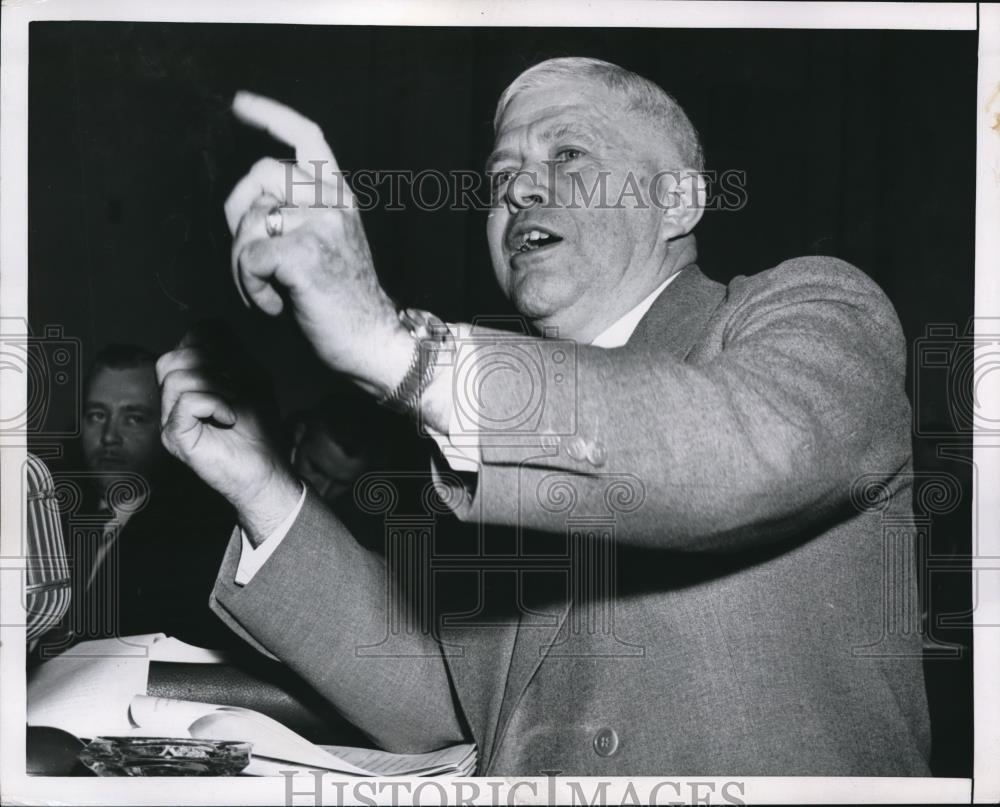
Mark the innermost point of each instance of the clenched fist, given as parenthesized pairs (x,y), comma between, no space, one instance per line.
(214,414)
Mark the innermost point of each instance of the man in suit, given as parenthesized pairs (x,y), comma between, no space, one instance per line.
(140,527)
(340,438)
(717,463)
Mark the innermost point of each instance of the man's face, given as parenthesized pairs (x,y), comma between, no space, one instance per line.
(121,422)
(555,147)
(324,464)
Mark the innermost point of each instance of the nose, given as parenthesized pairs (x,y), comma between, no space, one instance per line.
(110,435)
(528,187)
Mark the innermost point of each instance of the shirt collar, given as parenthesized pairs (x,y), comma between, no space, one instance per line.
(121,515)
(620,331)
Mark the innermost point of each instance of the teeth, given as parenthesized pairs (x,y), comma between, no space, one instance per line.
(531,238)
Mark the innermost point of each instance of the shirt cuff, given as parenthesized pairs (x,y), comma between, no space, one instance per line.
(252,559)
(459,447)
(464,457)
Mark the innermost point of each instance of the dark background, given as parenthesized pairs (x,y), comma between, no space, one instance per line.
(856,144)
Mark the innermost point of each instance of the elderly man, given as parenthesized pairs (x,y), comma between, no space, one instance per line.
(707,438)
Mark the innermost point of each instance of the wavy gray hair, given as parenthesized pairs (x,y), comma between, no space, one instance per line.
(643,97)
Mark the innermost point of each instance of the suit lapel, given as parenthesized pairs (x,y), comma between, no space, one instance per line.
(673,323)
(678,316)
(478,643)
(535,634)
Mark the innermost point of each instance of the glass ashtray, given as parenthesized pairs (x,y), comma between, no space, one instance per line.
(165,756)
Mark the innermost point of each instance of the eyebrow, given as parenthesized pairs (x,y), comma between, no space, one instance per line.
(548,136)
(140,408)
(499,156)
(563,129)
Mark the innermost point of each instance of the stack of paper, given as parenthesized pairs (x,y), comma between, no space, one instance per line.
(98,689)
(456,760)
(87,690)
(277,748)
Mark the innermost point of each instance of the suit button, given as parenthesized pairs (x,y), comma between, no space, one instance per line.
(606,743)
(598,454)
(577,448)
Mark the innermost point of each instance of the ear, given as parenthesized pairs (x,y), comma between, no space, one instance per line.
(681,195)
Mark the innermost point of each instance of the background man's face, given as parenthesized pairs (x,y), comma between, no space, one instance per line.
(324,463)
(569,140)
(121,422)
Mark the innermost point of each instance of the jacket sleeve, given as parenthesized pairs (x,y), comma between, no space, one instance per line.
(320,605)
(799,392)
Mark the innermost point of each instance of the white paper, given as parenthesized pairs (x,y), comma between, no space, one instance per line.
(179,718)
(87,689)
(166,717)
(277,748)
(98,689)
(171,649)
(456,760)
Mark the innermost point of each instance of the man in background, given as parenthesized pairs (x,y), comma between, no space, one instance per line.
(120,433)
(336,441)
(343,442)
(140,527)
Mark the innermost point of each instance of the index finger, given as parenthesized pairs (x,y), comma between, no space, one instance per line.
(285,124)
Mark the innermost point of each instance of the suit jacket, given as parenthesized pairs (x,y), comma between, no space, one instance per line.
(159,570)
(711,572)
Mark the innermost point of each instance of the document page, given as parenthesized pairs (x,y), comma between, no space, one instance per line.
(87,690)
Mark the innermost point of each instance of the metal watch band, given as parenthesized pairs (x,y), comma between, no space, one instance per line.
(428,333)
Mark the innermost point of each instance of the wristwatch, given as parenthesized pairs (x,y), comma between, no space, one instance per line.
(429,335)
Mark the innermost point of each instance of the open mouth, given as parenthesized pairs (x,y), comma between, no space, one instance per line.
(534,240)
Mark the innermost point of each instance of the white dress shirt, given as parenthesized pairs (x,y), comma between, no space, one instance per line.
(117,519)
(461,450)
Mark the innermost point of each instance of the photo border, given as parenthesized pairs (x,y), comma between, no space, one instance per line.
(16,16)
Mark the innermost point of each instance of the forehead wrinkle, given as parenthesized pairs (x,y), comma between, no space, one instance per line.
(559,130)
